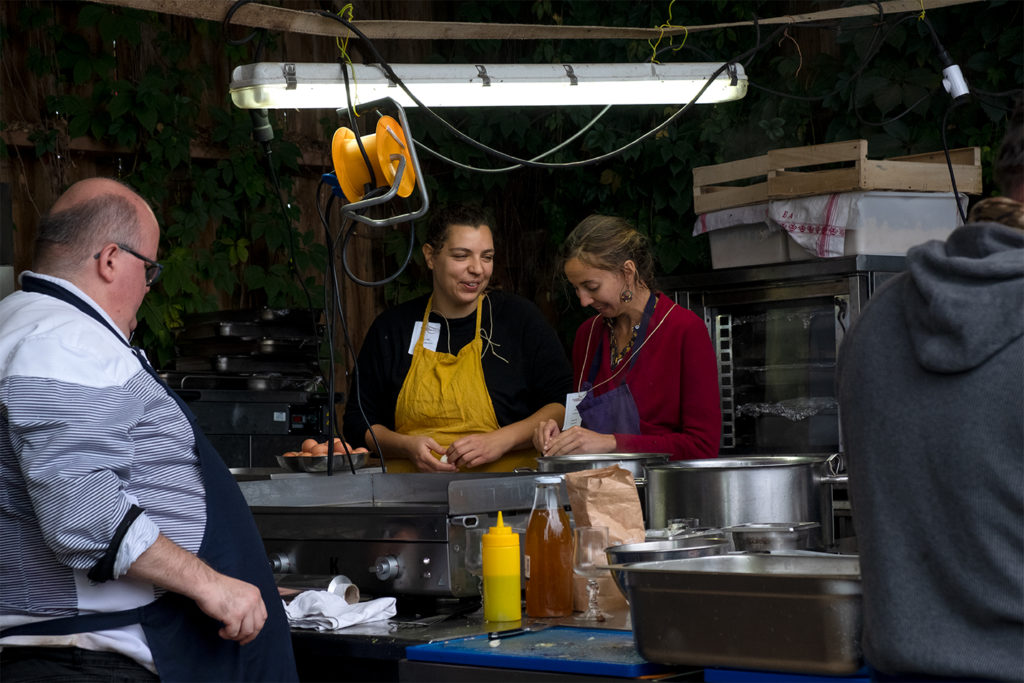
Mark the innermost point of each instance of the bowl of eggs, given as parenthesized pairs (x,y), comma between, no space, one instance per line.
(313,457)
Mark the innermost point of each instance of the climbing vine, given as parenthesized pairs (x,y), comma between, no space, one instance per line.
(226,241)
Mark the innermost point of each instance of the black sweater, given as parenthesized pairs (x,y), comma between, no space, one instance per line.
(537,371)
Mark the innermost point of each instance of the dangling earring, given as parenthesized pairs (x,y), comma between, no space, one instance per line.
(626,296)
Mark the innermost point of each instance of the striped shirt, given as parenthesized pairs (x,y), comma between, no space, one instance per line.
(85,433)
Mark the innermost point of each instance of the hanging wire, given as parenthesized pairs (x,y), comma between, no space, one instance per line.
(526,162)
(540,156)
(331,288)
(949,163)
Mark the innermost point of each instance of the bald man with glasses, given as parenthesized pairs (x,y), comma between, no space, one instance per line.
(126,547)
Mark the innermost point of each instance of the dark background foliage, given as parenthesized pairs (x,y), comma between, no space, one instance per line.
(233,240)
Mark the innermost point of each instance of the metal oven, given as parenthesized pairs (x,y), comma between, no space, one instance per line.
(776,330)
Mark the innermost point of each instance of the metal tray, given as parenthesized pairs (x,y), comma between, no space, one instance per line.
(795,613)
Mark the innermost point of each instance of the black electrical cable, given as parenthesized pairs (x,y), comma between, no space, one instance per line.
(525,162)
(899,116)
(336,299)
(757,39)
(375,283)
(238,4)
(355,131)
(549,152)
(332,304)
(284,214)
(949,163)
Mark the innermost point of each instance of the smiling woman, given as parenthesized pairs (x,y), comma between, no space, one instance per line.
(645,372)
(459,378)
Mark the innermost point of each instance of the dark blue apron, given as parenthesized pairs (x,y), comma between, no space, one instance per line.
(615,411)
(184,640)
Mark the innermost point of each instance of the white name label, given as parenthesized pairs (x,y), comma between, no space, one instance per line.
(572,413)
(429,339)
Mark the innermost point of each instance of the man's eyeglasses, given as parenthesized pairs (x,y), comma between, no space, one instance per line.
(153,269)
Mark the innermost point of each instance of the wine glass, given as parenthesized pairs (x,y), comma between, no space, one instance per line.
(590,562)
(475,556)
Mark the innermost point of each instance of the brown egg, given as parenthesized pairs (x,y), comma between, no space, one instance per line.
(360,450)
(308,445)
(291,454)
(320,449)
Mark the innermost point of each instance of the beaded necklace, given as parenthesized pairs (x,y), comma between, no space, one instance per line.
(616,354)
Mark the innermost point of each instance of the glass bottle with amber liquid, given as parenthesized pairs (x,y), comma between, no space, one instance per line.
(548,554)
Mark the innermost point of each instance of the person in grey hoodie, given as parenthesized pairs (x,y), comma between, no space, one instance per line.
(930,381)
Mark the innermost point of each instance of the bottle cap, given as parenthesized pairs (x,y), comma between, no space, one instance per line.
(500,535)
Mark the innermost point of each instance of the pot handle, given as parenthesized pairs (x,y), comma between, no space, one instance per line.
(836,472)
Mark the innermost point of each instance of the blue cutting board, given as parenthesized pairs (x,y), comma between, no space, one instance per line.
(560,648)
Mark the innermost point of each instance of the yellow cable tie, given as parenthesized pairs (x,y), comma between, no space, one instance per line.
(343,48)
(343,43)
(920,17)
(667,24)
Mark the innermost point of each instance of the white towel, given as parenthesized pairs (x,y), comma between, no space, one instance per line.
(326,611)
(818,224)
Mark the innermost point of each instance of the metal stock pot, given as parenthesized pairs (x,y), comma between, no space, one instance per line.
(725,492)
(634,462)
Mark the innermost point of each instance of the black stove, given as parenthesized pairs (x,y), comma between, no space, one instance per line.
(253,380)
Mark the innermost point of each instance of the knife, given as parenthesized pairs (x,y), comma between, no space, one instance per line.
(509,633)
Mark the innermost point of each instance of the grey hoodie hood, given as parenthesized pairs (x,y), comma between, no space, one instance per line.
(973,281)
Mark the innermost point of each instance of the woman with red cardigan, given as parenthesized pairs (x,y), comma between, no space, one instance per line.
(645,374)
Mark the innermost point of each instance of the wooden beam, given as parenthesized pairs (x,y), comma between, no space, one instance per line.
(281,19)
(18,136)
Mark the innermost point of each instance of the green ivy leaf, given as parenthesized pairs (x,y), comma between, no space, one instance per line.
(82,71)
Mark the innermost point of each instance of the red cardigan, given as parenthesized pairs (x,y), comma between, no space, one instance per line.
(674,382)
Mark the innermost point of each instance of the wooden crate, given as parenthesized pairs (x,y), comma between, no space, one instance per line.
(782,178)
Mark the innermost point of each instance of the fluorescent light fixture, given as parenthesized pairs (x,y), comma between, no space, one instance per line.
(322,86)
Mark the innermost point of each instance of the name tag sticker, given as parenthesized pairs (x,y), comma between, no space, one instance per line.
(429,339)
(572,414)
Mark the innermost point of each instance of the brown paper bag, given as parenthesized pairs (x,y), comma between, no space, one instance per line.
(605,497)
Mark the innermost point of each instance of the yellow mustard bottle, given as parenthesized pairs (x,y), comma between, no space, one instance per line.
(502,597)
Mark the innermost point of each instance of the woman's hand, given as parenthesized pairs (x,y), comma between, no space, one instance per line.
(475,450)
(579,440)
(421,449)
(542,435)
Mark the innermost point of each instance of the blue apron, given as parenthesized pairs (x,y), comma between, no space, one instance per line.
(184,640)
(615,411)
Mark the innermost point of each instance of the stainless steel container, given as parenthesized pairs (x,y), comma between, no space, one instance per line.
(723,492)
(634,462)
(792,613)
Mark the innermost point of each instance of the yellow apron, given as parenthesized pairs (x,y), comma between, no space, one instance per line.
(445,396)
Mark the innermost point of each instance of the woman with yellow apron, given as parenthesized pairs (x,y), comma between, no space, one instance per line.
(459,380)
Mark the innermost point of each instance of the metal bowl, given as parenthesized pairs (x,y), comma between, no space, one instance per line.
(674,549)
(772,536)
(318,463)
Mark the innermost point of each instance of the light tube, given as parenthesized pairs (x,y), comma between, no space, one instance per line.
(321,86)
